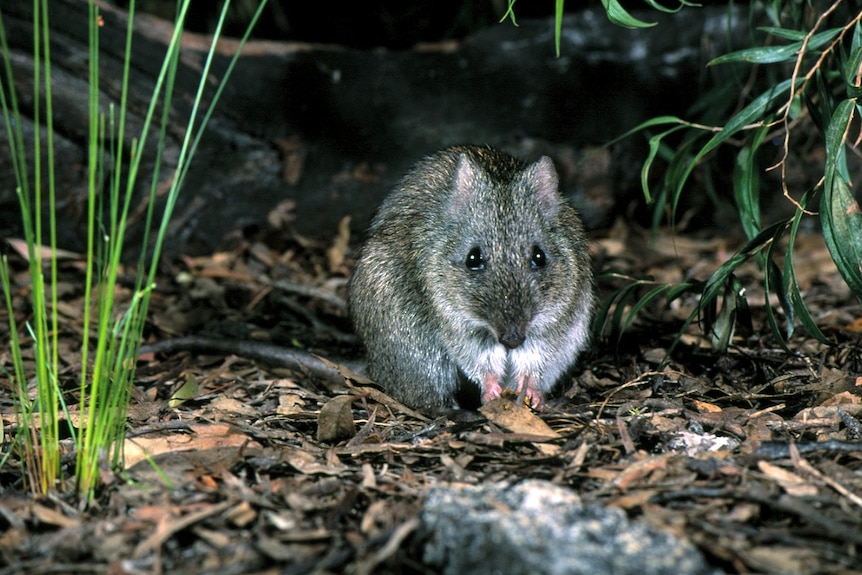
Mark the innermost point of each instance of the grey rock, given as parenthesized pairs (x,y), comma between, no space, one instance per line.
(538,527)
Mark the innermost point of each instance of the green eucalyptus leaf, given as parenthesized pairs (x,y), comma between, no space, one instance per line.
(624,295)
(785,33)
(791,297)
(655,143)
(843,234)
(619,16)
(856,40)
(791,289)
(840,215)
(772,282)
(746,183)
(657,121)
(795,107)
(836,161)
(851,73)
(752,113)
(661,8)
(773,54)
(642,302)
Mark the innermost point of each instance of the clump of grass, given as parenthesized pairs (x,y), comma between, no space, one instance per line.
(111,329)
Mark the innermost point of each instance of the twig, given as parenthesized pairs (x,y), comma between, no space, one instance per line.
(269,354)
(802,464)
(785,110)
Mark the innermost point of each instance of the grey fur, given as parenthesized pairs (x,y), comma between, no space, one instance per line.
(427,320)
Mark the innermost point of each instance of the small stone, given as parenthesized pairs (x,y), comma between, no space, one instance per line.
(538,527)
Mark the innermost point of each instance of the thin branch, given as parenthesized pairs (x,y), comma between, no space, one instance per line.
(786,109)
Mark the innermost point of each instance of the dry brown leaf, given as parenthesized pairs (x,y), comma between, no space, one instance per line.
(639,470)
(608,473)
(843,399)
(242,515)
(290,404)
(703,406)
(20,246)
(519,419)
(854,326)
(204,437)
(336,419)
(634,500)
(336,253)
(779,559)
(53,517)
(791,483)
(364,386)
(232,406)
(346,372)
(828,411)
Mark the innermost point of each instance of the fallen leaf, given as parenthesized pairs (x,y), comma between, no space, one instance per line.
(854,326)
(230,405)
(290,404)
(20,246)
(186,391)
(703,406)
(338,250)
(201,439)
(791,483)
(639,470)
(336,419)
(517,418)
(54,517)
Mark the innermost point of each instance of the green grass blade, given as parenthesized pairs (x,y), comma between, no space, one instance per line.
(714,285)
(52,387)
(221,85)
(510,13)
(603,320)
(722,282)
(14,132)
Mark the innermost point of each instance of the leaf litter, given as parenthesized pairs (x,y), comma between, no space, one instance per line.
(239,464)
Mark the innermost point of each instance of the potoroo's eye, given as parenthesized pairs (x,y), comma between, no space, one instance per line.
(538,259)
(475,260)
